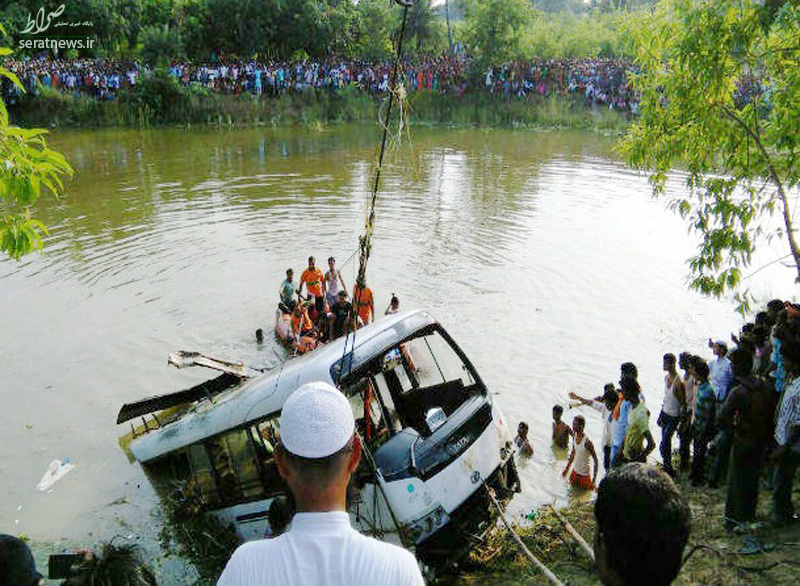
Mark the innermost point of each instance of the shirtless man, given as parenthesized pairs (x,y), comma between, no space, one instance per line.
(561,431)
(521,441)
(582,449)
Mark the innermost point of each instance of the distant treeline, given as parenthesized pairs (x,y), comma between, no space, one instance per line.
(203,30)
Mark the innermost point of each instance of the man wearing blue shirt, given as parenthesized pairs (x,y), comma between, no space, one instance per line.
(721,373)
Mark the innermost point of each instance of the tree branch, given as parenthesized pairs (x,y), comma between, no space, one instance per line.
(775,178)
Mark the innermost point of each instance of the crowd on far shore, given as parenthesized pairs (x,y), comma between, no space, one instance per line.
(601,82)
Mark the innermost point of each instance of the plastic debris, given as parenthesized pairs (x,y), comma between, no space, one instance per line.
(55,472)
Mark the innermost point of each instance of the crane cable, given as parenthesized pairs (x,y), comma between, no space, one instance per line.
(365,241)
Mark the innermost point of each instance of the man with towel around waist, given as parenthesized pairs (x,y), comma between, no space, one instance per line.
(319,451)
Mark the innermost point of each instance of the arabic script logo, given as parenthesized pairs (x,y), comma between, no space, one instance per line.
(39,25)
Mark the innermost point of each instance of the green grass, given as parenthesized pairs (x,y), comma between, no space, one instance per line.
(164,103)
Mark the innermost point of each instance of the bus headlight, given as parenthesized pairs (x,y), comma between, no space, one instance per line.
(428,525)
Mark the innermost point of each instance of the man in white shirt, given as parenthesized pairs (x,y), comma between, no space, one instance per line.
(319,452)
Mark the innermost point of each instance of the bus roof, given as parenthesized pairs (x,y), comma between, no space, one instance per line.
(265,395)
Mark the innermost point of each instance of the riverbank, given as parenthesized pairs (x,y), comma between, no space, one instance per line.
(715,556)
(166,104)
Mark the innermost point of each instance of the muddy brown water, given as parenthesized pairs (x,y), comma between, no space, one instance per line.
(545,258)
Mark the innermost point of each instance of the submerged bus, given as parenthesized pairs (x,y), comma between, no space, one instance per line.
(435,441)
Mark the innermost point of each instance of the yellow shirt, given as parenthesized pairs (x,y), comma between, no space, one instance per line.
(638,425)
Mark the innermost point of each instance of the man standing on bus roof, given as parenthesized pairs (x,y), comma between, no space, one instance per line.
(363,303)
(320,451)
(314,281)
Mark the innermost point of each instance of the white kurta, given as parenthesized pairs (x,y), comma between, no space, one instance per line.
(321,549)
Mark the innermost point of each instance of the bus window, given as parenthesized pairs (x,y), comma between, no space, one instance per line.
(235,465)
(202,483)
(422,374)
(368,412)
(436,362)
(265,436)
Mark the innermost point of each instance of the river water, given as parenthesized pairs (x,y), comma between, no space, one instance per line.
(541,253)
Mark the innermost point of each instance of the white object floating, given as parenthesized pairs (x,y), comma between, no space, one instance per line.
(55,472)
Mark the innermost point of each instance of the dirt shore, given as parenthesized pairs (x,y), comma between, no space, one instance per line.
(761,555)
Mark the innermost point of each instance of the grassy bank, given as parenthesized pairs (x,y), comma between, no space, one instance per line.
(167,104)
(716,557)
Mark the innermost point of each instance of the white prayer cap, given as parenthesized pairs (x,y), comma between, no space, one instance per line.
(316,421)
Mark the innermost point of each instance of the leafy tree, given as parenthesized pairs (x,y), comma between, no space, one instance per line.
(423,26)
(159,44)
(494,28)
(29,169)
(373,39)
(719,97)
(340,26)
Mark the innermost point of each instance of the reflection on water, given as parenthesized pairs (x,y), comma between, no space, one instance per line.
(544,257)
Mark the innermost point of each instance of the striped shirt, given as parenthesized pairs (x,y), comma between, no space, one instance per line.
(704,410)
(789,414)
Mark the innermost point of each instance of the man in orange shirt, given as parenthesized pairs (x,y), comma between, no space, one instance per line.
(362,301)
(314,281)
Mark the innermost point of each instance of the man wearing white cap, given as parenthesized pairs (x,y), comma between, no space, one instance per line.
(319,451)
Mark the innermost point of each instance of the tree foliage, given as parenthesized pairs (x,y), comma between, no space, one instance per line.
(29,168)
(596,33)
(423,27)
(494,29)
(719,97)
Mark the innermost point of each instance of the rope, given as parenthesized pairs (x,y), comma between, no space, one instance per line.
(365,241)
(542,568)
(571,530)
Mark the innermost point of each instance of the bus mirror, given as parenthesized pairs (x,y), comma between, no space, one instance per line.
(435,418)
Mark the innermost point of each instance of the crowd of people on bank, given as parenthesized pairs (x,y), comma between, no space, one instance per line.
(598,81)
(736,418)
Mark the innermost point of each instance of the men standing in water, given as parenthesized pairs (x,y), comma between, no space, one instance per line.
(394,305)
(582,448)
(362,300)
(521,441)
(671,409)
(320,451)
(314,281)
(561,430)
(605,406)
